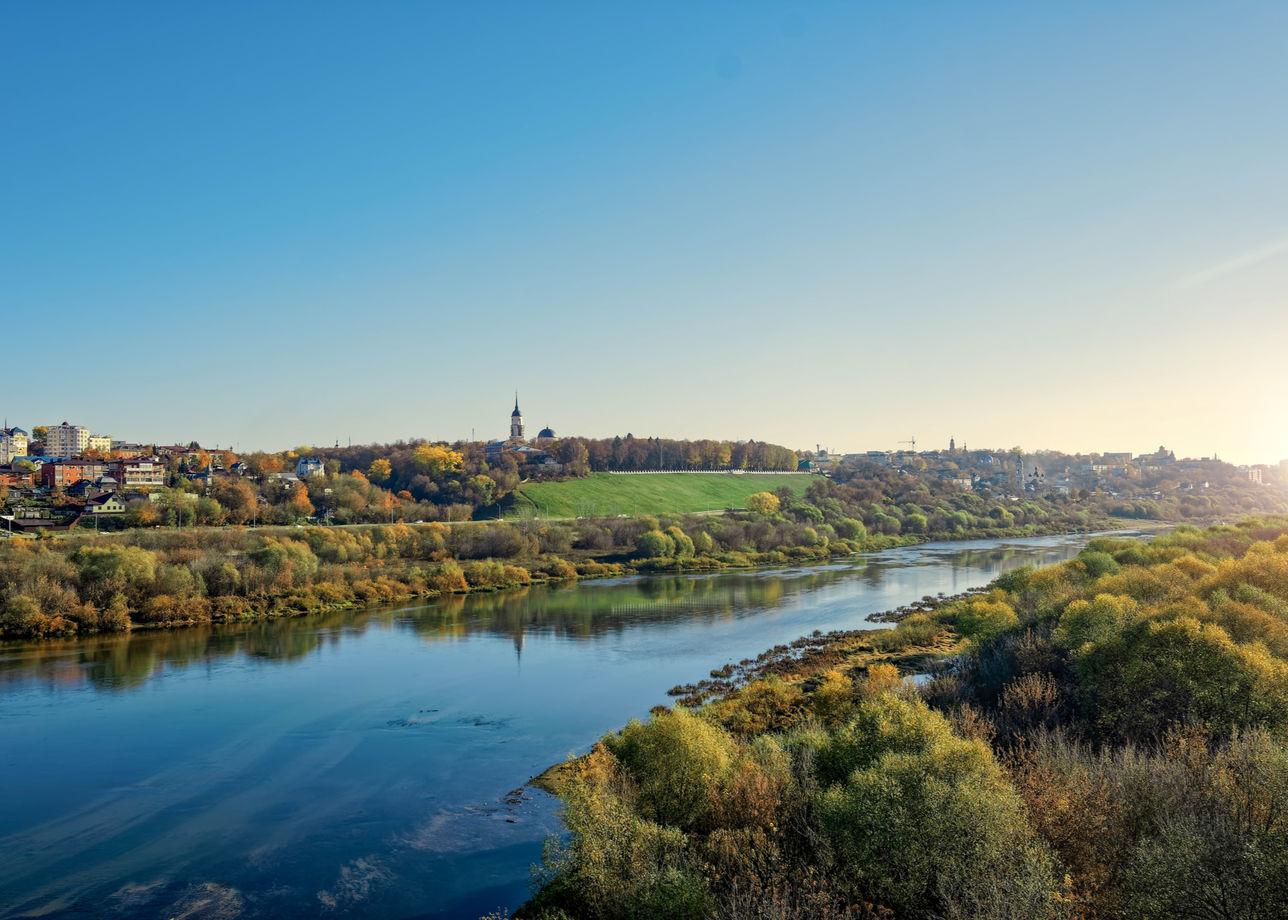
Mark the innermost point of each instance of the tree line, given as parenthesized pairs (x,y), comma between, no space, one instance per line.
(152,576)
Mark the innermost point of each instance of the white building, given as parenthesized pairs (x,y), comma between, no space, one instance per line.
(309,466)
(67,440)
(13,443)
(100,442)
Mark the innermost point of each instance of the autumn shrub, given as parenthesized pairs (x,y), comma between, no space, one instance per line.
(446,577)
(981,617)
(21,616)
(675,761)
(490,574)
(897,778)
(768,705)
(832,701)
(1160,674)
(164,608)
(917,631)
(613,861)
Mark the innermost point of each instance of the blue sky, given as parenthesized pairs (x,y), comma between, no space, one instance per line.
(1052,225)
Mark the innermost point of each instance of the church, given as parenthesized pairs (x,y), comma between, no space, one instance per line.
(518,445)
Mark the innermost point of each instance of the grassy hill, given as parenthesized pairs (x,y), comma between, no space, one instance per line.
(657,493)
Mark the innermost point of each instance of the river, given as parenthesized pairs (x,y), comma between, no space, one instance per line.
(361,763)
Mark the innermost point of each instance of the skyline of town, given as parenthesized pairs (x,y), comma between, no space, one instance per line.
(76,438)
(902,446)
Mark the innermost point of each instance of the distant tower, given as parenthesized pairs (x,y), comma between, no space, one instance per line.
(952,446)
(516,421)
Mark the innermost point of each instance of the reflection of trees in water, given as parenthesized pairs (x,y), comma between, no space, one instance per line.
(119,662)
(585,612)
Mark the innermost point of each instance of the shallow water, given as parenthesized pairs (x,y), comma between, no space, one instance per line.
(360,764)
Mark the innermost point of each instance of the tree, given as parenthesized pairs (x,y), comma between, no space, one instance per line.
(298,501)
(763,503)
(379,470)
(574,456)
(653,544)
(237,498)
(436,462)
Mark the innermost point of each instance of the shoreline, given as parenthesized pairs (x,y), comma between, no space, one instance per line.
(645,568)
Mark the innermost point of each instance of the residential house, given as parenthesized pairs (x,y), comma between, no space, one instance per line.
(205,479)
(105,503)
(309,466)
(15,478)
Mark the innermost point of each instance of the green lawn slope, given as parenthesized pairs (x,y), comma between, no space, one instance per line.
(654,493)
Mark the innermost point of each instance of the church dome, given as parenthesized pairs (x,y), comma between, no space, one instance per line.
(546,433)
(516,413)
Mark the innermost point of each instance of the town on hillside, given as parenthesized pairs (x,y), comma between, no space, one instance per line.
(56,477)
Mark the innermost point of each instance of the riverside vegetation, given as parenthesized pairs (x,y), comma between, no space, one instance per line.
(1104,738)
(165,577)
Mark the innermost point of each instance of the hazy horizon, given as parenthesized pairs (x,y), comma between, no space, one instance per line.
(842,224)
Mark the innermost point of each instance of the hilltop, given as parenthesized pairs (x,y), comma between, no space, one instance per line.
(601,494)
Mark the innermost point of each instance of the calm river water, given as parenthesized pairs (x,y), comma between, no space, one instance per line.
(360,764)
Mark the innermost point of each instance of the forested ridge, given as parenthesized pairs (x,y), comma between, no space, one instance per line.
(1105,738)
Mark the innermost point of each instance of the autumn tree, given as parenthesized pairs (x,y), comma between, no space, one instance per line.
(298,501)
(436,462)
(379,470)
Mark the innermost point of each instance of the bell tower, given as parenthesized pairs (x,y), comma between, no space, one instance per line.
(516,421)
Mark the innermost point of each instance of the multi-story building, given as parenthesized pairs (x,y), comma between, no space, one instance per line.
(67,440)
(140,473)
(59,474)
(101,443)
(13,443)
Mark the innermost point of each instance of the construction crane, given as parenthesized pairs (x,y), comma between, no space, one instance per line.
(911,442)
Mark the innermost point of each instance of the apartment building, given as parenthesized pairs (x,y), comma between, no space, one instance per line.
(59,474)
(67,440)
(13,443)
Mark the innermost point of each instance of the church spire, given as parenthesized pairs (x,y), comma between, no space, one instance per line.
(516,420)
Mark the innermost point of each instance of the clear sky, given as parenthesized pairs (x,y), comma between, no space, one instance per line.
(271,224)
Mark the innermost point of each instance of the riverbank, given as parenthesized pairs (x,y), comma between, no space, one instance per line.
(1078,718)
(172,579)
